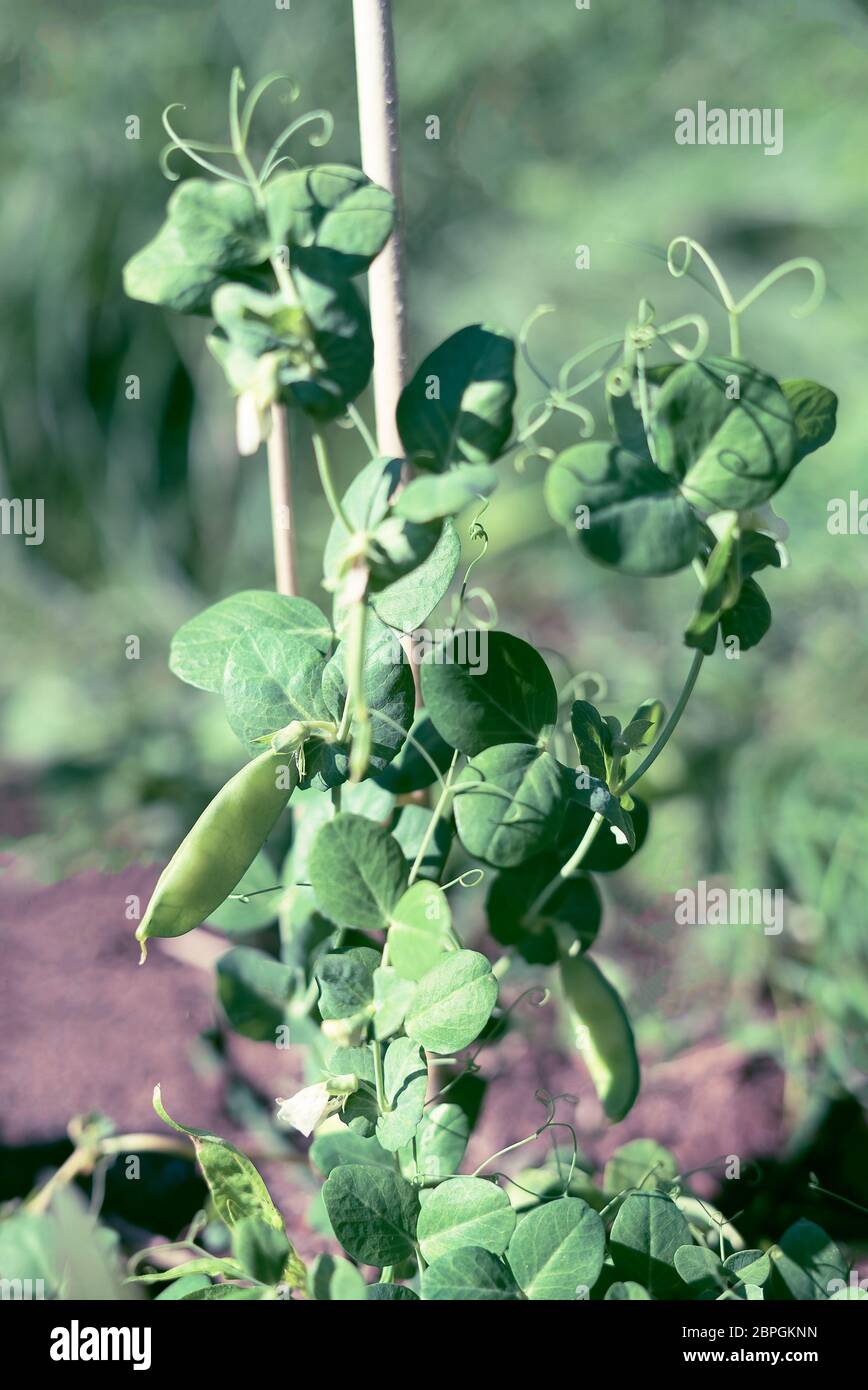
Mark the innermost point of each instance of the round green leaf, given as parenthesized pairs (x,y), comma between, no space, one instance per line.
(373,1213)
(641,1163)
(346,981)
(574,910)
(201,647)
(627,1291)
(333,1280)
(469,1275)
(269,680)
(814,410)
(514,804)
(453,1003)
(701,1270)
(468,416)
(410,770)
(254,990)
(463,1212)
(724,430)
(645,1235)
(441,1140)
(358,872)
(635,518)
(405,1078)
(508,697)
(557,1249)
(435,495)
(419,933)
(391,1293)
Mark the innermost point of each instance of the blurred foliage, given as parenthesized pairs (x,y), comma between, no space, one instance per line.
(556,130)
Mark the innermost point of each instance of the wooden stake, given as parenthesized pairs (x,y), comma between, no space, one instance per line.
(280,489)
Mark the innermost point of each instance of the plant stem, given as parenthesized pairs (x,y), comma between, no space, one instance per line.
(377,1049)
(671,723)
(328,485)
(280,490)
(567,870)
(378,128)
(433,822)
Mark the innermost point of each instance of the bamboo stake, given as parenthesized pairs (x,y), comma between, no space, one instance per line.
(280,490)
(378,127)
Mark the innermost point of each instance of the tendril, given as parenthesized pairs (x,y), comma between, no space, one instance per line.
(464,879)
(539,312)
(258,90)
(531,451)
(317,141)
(192,149)
(679,266)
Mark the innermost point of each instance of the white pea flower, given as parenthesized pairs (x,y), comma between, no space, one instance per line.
(248,424)
(308,1108)
(763,518)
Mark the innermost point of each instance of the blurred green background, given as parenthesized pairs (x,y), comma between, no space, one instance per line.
(556,129)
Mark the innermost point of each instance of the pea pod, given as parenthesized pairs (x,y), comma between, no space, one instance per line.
(603,1034)
(219,849)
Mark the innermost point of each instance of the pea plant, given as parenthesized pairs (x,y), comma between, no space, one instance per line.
(484,790)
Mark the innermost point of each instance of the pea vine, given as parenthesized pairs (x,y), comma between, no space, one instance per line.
(391,790)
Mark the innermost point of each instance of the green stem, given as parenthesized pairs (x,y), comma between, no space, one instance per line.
(382,1105)
(567,870)
(433,822)
(671,724)
(328,487)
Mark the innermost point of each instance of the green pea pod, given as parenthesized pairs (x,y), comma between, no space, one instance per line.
(219,849)
(603,1034)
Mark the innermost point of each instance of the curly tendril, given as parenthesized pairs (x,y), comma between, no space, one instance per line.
(679,255)
(273,158)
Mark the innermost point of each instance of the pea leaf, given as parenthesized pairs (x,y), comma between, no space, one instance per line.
(748,1266)
(419,933)
(453,1003)
(333,207)
(236,1187)
(373,1212)
(814,410)
(201,647)
(701,1270)
(333,1280)
(341,337)
(640,1163)
(391,1293)
(634,518)
(405,1078)
(573,912)
(627,1291)
(513,806)
(805,1262)
(406,602)
(593,738)
(458,405)
(435,495)
(358,872)
(261,1249)
(469,1275)
(254,990)
(180,1288)
(441,1140)
(645,1234)
(556,1249)
(387,684)
(410,770)
(392,998)
(608,853)
(218,224)
(331,1148)
(724,431)
(465,1212)
(270,680)
(508,697)
(346,981)
(750,617)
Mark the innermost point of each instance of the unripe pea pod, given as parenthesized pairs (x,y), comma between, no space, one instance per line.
(220,848)
(603,1034)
